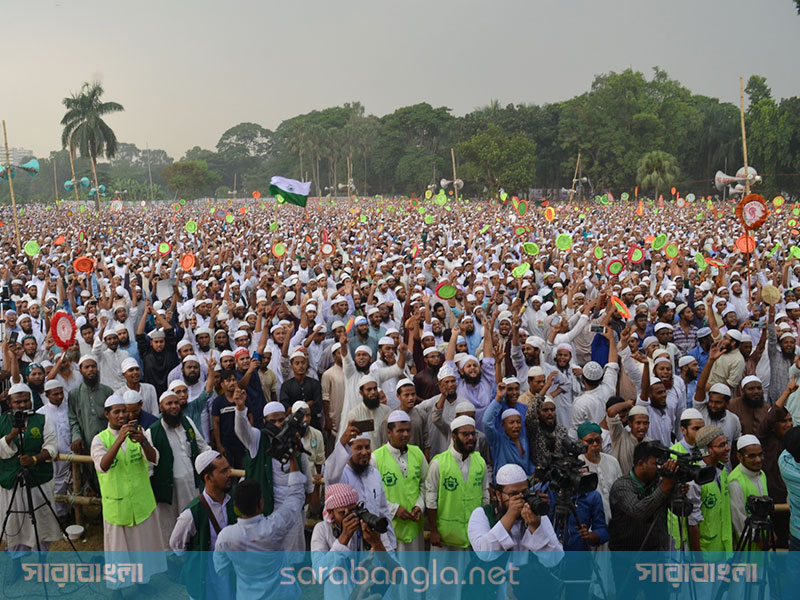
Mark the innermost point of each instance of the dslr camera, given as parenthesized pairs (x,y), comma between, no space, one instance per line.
(760,507)
(19,419)
(374,522)
(688,470)
(287,442)
(566,472)
(538,506)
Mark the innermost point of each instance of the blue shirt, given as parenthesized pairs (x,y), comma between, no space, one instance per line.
(700,355)
(790,471)
(589,508)
(504,450)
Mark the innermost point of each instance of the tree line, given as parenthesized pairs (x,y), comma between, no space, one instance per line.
(629,129)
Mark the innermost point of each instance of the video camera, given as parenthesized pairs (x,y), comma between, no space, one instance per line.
(376,523)
(19,419)
(566,472)
(287,442)
(760,507)
(687,469)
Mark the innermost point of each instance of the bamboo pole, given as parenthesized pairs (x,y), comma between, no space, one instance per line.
(86,459)
(574,176)
(55,182)
(453,158)
(11,189)
(744,140)
(77,486)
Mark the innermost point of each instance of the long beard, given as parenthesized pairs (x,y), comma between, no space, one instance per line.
(372,403)
(359,469)
(472,380)
(172,421)
(191,379)
(753,402)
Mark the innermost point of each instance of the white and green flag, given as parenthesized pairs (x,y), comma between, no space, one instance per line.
(290,190)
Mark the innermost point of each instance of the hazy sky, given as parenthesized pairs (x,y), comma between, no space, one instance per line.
(185,71)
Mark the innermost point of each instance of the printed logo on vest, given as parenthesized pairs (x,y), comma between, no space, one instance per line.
(35,432)
(389,479)
(710,501)
(450,483)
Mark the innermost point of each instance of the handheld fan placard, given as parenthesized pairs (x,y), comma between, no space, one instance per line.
(326,249)
(191,226)
(63,329)
(164,248)
(614,267)
(659,241)
(445,290)
(564,241)
(746,244)
(598,252)
(531,248)
(187,261)
(83,264)
(620,307)
(520,270)
(549,214)
(701,261)
(635,255)
(752,211)
(278,250)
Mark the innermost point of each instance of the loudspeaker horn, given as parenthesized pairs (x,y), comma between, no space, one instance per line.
(69,185)
(31,167)
(445,182)
(721,180)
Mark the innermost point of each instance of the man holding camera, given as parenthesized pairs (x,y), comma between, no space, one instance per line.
(28,442)
(261,465)
(746,480)
(351,462)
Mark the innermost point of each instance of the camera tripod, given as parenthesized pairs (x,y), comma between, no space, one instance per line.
(756,530)
(26,481)
(565,507)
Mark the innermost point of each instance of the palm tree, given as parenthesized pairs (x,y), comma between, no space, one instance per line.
(658,169)
(85,129)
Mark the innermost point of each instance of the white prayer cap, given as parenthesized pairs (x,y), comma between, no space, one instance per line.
(461,422)
(109,331)
(226,353)
(166,394)
(365,379)
(86,357)
(174,385)
(241,333)
(52,384)
(465,406)
(399,416)
(274,407)
(720,388)
(535,341)
(444,373)
(686,360)
(638,410)
(335,347)
(204,459)
(129,363)
(183,343)
(336,325)
(131,397)
(735,334)
(548,400)
(402,382)
(430,350)
(386,341)
(592,371)
(427,334)
(510,380)
(297,354)
(363,436)
(510,412)
(114,400)
(510,474)
(466,360)
(19,388)
(191,358)
(300,404)
(535,371)
(660,326)
(747,440)
(119,328)
(788,334)
(364,348)
(750,379)
(691,413)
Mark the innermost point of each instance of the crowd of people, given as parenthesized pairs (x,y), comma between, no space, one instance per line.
(455,372)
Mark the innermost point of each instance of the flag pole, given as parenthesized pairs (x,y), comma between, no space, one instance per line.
(574,177)
(11,188)
(453,158)
(744,138)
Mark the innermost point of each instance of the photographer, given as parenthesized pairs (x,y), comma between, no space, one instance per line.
(264,468)
(510,524)
(639,502)
(746,480)
(39,445)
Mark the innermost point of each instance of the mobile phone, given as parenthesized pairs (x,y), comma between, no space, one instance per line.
(364,426)
(134,425)
(597,328)
(12,339)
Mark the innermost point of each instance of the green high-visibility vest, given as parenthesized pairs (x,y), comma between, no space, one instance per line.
(458,498)
(716,530)
(401,489)
(748,489)
(33,439)
(677,529)
(125,488)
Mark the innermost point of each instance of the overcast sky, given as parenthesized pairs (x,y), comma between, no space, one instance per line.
(185,71)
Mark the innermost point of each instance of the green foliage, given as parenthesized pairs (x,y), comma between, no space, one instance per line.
(657,169)
(191,178)
(495,160)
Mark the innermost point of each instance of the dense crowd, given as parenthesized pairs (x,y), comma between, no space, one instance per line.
(447,357)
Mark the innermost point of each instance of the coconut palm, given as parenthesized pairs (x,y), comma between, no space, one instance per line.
(85,129)
(657,169)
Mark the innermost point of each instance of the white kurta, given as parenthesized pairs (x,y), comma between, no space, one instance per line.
(131,544)
(183,487)
(62,470)
(149,397)
(19,530)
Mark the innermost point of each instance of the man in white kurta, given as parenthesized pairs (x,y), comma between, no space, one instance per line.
(184,489)
(56,412)
(19,533)
(352,462)
(128,543)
